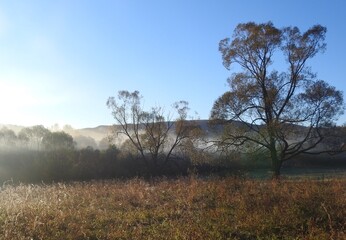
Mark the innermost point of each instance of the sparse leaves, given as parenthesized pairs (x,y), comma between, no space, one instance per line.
(269,102)
(152,133)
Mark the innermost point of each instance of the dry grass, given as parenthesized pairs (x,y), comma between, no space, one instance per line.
(185,208)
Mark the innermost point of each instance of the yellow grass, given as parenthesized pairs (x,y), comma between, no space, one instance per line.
(184,208)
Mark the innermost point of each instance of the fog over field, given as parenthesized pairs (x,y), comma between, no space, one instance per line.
(172,119)
(101,136)
(96,137)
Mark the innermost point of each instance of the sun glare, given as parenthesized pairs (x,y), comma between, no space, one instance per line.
(13,101)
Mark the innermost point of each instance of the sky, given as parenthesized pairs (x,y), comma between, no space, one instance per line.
(61,60)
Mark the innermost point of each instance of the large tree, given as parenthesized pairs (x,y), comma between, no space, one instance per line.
(283,110)
(152,134)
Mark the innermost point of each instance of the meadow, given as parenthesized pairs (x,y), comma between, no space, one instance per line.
(180,208)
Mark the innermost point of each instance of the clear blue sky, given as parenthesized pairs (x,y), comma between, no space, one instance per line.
(61,60)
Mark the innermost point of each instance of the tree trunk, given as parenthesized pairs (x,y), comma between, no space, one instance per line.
(276,161)
(276,167)
(155,166)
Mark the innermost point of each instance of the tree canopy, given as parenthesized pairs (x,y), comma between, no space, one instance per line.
(283,112)
(152,134)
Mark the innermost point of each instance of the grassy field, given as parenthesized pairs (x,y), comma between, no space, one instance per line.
(296,173)
(183,208)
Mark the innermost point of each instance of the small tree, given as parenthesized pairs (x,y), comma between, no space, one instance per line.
(23,138)
(8,138)
(37,133)
(154,136)
(285,113)
(54,141)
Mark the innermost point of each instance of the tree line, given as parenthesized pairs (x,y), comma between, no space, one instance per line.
(35,138)
(278,114)
(274,114)
(37,154)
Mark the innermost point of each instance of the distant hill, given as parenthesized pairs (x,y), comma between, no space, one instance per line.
(97,133)
(97,137)
(92,136)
